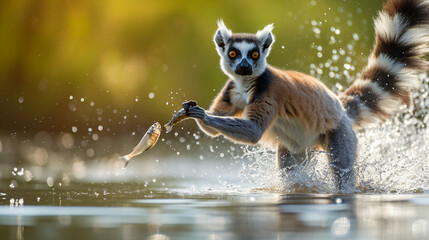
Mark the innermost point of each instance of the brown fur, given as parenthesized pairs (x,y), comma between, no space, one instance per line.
(292,96)
(307,99)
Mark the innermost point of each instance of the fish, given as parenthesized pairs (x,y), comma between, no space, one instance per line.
(179,115)
(147,142)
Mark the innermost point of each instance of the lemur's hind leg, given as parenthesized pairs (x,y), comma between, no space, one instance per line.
(286,159)
(342,147)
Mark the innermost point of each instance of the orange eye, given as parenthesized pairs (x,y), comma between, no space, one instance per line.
(255,55)
(232,54)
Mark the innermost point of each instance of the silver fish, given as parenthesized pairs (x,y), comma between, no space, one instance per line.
(180,115)
(146,143)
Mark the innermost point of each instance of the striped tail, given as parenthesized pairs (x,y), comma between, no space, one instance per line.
(400,52)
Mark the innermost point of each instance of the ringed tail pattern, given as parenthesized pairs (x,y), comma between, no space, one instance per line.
(400,52)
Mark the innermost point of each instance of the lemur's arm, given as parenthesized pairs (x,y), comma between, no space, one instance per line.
(249,129)
(221,106)
(218,108)
(206,129)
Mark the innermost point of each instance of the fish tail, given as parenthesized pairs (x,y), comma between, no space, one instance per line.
(126,159)
(168,128)
(126,163)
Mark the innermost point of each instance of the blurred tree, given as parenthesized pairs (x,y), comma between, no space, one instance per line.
(123,64)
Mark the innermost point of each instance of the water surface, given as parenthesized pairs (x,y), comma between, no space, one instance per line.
(195,200)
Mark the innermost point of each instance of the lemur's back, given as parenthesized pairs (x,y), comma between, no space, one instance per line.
(304,98)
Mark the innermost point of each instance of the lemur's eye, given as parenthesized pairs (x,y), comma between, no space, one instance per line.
(232,54)
(255,55)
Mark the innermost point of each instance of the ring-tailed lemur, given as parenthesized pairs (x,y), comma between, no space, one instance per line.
(294,111)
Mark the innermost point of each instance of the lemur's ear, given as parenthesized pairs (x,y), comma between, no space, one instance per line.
(222,35)
(265,37)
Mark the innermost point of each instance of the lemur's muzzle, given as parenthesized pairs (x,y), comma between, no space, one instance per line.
(243,68)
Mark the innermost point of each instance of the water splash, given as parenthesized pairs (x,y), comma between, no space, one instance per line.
(393,157)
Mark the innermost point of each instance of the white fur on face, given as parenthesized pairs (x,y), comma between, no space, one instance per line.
(263,35)
(244,48)
(223,35)
(228,66)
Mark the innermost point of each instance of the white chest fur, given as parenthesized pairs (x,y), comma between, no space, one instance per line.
(240,96)
(291,134)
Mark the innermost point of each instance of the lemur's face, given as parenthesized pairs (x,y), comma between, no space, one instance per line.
(243,55)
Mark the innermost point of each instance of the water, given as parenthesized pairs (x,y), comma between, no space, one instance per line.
(133,212)
(184,198)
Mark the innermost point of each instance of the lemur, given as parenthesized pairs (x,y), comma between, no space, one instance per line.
(293,111)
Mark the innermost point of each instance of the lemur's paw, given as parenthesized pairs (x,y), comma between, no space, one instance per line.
(196,112)
(187,104)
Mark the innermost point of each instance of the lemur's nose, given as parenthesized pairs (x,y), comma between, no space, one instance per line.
(243,68)
(244,64)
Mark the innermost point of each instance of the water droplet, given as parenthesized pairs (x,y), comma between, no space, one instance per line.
(67,140)
(21,100)
(13,184)
(74,129)
(316,30)
(90,152)
(95,137)
(347,66)
(28,175)
(151,95)
(50,181)
(79,169)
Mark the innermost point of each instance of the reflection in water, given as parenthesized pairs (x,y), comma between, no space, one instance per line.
(341,226)
(19,229)
(244,216)
(158,237)
(419,228)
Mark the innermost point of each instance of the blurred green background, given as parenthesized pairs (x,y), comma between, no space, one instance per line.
(116,66)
